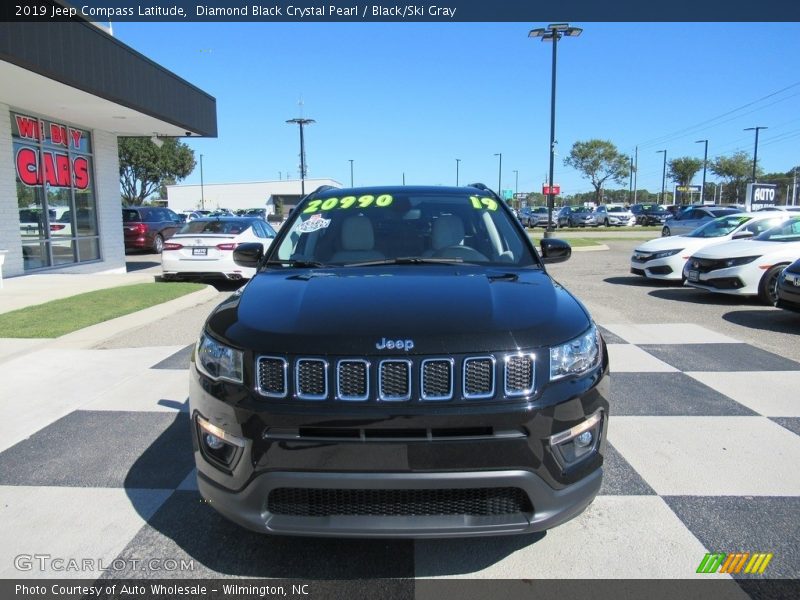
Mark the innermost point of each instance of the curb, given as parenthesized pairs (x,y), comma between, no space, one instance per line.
(89,337)
(596,248)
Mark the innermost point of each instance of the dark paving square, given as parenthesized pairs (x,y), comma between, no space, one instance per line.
(745,524)
(609,337)
(669,394)
(185,527)
(790,423)
(103,449)
(620,478)
(719,357)
(179,360)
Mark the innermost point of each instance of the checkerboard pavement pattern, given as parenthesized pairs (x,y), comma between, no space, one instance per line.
(703,455)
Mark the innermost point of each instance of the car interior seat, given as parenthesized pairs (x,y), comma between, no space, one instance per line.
(357,241)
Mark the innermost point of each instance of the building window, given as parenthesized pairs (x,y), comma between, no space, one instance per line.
(55,192)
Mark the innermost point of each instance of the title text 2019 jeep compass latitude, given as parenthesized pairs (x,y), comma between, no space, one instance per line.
(401,365)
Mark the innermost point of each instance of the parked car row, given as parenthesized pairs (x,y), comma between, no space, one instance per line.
(746,254)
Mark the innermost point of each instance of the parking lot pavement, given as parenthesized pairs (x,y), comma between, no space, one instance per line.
(95,461)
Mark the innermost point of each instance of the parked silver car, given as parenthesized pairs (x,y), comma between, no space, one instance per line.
(612,214)
(691,217)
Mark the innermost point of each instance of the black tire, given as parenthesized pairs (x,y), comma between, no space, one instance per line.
(158,244)
(665,232)
(768,287)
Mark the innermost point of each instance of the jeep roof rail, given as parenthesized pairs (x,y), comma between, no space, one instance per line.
(485,188)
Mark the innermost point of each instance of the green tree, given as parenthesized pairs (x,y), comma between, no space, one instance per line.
(735,170)
(682,170)
(598,161)
(144,167)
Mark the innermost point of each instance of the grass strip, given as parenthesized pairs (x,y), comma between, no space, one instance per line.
(58,317)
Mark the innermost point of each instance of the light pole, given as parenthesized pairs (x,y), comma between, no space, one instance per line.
(302,122)
(553,33)
(458,160)
(202,193)
(499,172)
(705,163)
(351,172)
(516,182)
(663,176)
(755,149)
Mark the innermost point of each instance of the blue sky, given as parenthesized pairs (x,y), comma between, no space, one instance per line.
(411,98)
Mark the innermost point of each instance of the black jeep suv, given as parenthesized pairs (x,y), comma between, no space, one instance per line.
(401,365)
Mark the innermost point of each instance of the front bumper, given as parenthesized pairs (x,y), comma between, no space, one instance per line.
(740,280)
(789,293)
(552,507)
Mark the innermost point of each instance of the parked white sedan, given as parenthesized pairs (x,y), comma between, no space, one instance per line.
(203,248)
(746,267)
(664,258)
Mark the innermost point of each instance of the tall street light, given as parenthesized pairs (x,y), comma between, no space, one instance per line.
(663,176)
(499,173)
(302,122)
(458,160)
(553,33)
(351,172)
(755,150)
(705,163)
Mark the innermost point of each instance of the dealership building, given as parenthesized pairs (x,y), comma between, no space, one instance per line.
(254,194)
(68,90)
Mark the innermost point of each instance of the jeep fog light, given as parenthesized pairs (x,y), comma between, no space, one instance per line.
(216,444)
(576,443)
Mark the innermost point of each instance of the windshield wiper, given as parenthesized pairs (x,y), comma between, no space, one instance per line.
(407,260)
(297,263)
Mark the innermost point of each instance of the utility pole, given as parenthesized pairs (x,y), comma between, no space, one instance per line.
(635,171)
(755,149)
(202,192)
(301,122)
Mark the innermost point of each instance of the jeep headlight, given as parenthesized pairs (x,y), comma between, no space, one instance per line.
(218,361)
(576,356)
(666,253)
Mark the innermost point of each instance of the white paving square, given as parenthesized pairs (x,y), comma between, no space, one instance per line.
(162,390)
(622,537)
(627,358)
(69,524)
(43,386)
(669,333)
(772,394)
(710,456)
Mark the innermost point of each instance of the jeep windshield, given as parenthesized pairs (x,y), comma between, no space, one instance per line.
(403,226)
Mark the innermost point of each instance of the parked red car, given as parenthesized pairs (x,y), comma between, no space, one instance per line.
(146,227)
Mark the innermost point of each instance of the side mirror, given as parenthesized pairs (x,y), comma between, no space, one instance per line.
(249,254)
(742,235)
(554,250)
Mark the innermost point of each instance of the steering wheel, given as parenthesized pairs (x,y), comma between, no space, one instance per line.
(465,253)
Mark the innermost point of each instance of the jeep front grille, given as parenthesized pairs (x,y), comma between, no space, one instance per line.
(437,379)
(310,502)
(272,376)
(479,377)
(352,379)
(312,379)
(394,379)
(519,374)
(412,379)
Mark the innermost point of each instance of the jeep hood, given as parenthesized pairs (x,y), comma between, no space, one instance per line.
(441,309)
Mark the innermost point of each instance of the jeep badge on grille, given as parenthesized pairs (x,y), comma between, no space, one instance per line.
(385,344)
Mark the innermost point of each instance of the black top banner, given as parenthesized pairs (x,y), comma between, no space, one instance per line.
(418,11)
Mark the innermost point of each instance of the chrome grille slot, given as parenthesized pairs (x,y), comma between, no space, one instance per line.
(437,379)
(352,379)
(519,374)
(271,376)
(311,379)
(479,377)
(394,380)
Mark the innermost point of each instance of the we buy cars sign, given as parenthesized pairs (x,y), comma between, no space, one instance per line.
(54,168)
